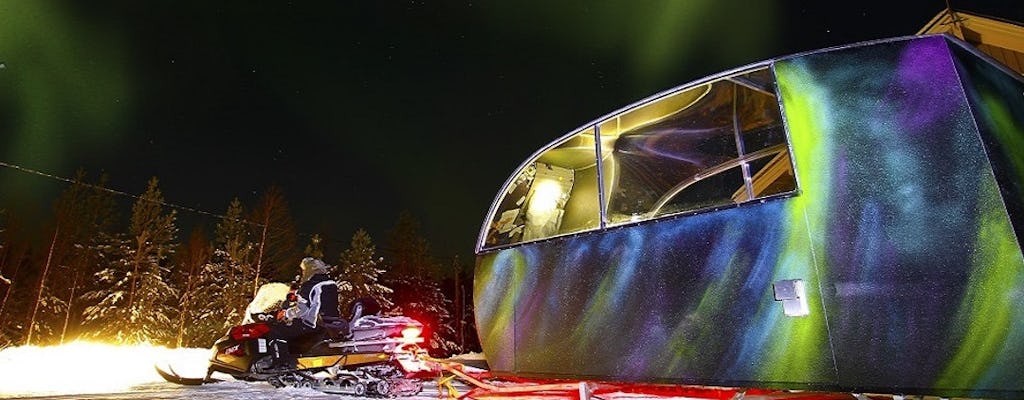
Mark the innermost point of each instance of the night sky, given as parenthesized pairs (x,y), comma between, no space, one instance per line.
(361,109)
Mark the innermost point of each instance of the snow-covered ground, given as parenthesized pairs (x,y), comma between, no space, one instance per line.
(103,371)
(100,371)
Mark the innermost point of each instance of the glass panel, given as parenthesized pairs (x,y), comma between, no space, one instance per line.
(656,152)
(761,80)
(710,145)
(764,145)
(771,175)
(759,118)
(714,190)
(554,194)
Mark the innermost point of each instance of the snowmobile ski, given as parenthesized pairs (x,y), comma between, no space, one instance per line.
(170,376)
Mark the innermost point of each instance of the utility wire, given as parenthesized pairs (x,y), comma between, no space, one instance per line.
(106,189)
(126,194)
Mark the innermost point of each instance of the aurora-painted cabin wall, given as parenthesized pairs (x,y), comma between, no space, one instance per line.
(998,103)
(901,232)
(921,270)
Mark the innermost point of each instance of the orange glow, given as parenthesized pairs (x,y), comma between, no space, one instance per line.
(90,367)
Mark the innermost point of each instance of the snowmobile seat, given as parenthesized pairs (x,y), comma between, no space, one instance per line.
(336,328)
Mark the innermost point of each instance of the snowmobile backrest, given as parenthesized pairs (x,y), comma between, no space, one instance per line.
(363,306)
(367,321)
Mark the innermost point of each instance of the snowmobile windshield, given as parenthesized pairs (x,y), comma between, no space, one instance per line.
(268,299)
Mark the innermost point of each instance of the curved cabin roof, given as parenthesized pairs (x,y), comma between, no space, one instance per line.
(1002,40)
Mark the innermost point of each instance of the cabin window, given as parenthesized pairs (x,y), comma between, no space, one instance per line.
(555,193)
(707,146)
(711,145)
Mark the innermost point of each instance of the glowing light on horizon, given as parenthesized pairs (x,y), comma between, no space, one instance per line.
(90,367)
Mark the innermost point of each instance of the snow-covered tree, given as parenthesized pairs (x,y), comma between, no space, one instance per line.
(222,292)
(234,238)
(97,220)
(14,261)
(38,326)
(94,214)
(416,292)
(232,233)
(80,212)
(422,299)
(136,303)
(224,284)
(16,303)
(362,269)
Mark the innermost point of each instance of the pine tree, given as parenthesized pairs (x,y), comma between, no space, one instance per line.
(191,262)
(96,219)
(221,296)
(65,212)
(224,285)
(407,251)
(315,247)
(235,254)
(80,212)
(14,307)
(416,293)
(43,297)
(136,304)
(14,262)
(274,233)
(232,233)
(362,270)
(464,324)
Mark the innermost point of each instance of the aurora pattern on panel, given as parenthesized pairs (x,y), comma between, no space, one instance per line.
(904,231)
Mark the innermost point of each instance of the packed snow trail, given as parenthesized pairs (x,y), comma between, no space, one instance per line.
(102,371)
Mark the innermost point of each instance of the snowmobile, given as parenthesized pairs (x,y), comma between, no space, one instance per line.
(367,355)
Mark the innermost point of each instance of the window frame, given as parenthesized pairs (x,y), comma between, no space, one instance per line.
(735,76)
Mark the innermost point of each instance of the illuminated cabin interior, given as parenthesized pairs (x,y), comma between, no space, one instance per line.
(715,144)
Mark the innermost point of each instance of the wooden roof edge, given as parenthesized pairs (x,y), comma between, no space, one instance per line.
(993,31)
(944,17)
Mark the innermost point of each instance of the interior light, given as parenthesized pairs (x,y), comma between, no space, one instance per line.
(545,199)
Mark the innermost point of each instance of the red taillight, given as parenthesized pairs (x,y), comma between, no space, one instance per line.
(411,334)
(249,331)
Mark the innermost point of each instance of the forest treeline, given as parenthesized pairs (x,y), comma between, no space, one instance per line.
(98,275)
